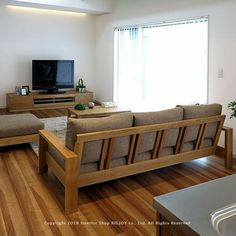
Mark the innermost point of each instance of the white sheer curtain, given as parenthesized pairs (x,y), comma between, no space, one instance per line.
(128,67)
(157,67)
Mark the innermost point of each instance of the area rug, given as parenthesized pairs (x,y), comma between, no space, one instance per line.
(56,125)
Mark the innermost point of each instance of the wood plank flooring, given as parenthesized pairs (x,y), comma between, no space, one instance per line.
(31,204)
(40,113)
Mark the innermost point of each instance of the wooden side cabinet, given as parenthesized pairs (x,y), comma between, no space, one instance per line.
(84,98)
(37,101)
(18,102)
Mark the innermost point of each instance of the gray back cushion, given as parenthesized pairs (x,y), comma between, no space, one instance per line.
(158,117)
(197,111)
(92,150)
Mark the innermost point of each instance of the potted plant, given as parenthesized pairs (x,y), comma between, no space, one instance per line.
(232,107)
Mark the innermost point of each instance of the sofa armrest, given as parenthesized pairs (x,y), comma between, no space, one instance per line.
(53,140)
(227,151)
(225,128)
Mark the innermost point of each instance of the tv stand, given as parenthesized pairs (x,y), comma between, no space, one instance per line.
(37,101)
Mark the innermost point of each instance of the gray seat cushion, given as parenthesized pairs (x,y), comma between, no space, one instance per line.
(148,118)
(19,124)
(197,111)
(92,150)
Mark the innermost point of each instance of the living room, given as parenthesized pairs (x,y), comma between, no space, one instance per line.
(83,31)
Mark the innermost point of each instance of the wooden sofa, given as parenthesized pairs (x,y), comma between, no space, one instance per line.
(73,171)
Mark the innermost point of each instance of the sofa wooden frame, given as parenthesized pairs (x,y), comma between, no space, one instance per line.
(18,140)
(70,175)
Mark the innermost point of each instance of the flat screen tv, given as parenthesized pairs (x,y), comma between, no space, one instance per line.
(52,75)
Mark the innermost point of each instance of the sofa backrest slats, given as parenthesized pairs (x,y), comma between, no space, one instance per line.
(105,143)
(109,154)
(195,111)
(146,128)
(162,141)
(202,127)
(137,147)
(161,130)
(179,140)
(185,129)
(202,135)
(156,144)
(131,148)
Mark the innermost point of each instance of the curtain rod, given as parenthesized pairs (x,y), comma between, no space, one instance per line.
(164,23)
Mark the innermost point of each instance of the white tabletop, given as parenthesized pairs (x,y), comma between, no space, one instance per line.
(196,203)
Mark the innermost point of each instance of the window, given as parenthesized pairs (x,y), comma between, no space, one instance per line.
(159,66)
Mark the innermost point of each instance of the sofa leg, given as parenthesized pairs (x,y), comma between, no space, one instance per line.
(43,147)
(71,199)
(228,154)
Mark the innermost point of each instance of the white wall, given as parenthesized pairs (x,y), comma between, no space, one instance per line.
(222,41)
(39,34)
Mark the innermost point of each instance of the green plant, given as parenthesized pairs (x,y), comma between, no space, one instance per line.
(232,107)
(80,107)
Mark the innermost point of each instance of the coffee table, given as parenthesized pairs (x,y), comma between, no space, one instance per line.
(97,111)
(187,211)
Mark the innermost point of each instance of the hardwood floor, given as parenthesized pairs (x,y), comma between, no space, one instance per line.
(31,204)
(40,113)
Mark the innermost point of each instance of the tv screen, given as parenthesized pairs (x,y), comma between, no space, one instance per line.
(51,75)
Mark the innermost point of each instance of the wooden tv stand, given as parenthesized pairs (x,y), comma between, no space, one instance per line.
(37,101)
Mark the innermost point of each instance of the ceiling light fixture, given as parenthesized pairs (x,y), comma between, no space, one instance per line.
(43,10)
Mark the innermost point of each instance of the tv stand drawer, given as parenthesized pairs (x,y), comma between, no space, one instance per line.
(54,100)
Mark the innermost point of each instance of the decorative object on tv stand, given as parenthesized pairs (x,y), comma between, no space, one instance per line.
(23,92)
(17,90)
(26,87)
(81,88)
(80,107)
(91,105)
